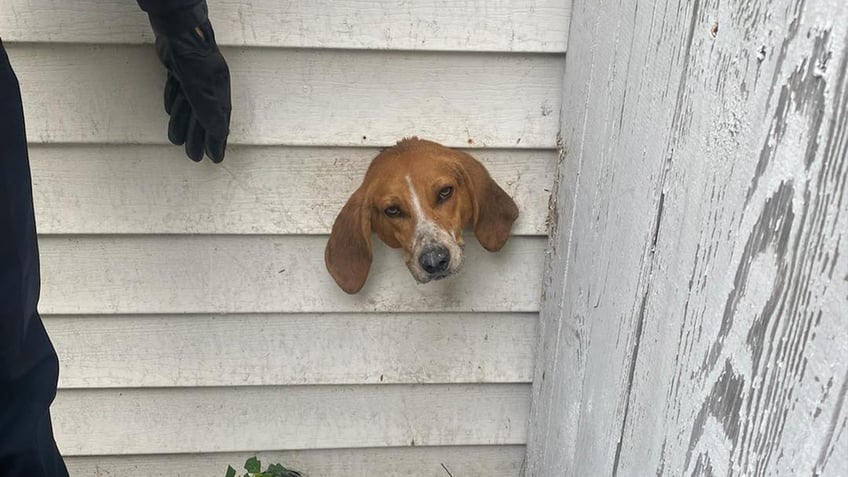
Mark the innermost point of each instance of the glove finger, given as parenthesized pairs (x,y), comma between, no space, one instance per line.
(172,89)
(180,119)
(194,141)
(215,148)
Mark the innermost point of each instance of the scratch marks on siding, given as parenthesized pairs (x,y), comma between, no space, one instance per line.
(724,404)
(802,93)
(835,430)
(703,466)
(799,231)
(769,235)
(640,322)
(680,120)
(772,228)
(834,176)
(679,125)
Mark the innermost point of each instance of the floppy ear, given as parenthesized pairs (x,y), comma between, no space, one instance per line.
(348,253)
(493,211)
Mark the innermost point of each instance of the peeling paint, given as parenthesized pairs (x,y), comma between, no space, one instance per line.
(701,307)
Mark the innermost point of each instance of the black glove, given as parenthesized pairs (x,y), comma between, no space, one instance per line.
(197,88)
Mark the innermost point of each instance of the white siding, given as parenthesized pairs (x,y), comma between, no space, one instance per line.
(259,190)
(189,303)
(436,25)
(431,461)
(262,273)
(190,420)
(299,97)
(115,351)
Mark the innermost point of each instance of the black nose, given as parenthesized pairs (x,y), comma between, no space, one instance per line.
(435,260)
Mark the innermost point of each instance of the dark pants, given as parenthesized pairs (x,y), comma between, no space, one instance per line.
(29,369)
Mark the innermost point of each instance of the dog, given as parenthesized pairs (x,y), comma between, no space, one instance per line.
(418,195)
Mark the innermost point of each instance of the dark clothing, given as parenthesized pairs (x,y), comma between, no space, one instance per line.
(172,17)
(165,7)
(29,369)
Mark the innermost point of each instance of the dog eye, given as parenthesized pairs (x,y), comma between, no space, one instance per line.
(392,211)
(445,193)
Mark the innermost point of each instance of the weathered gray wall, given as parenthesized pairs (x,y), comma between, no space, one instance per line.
(695,318)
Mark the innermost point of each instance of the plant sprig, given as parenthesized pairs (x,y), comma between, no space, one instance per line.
(253,466)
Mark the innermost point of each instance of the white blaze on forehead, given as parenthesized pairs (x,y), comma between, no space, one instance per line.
(420,218)
(428,233)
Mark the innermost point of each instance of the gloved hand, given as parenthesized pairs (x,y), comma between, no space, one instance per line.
(197,88)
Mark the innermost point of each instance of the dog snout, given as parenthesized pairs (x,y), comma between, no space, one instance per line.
(435,260)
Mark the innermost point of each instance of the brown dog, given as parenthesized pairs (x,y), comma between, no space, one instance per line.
(418,195)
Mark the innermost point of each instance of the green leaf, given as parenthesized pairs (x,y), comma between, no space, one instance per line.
(230,471)
(276,470)
(253,465)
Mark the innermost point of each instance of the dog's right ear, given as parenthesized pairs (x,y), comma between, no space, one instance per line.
(493,210)
(348,254)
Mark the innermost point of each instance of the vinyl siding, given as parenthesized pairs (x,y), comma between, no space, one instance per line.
(189,303)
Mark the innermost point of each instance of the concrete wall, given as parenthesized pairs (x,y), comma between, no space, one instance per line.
(695,312)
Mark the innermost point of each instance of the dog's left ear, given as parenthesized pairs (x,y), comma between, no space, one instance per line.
(493,211)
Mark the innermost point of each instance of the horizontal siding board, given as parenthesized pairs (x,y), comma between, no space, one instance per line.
(480,25)
(232,274)
(186,420)
(460,461)
(120,189)
(259,349)
(112,94)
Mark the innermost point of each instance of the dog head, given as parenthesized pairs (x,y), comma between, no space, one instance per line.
(418,196)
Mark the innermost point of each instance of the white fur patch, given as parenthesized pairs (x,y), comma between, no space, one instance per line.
(422,222)
(428,233)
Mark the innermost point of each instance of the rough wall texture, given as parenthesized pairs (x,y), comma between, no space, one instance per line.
(695,318)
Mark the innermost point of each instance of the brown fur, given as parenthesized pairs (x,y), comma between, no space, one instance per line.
(476,200)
